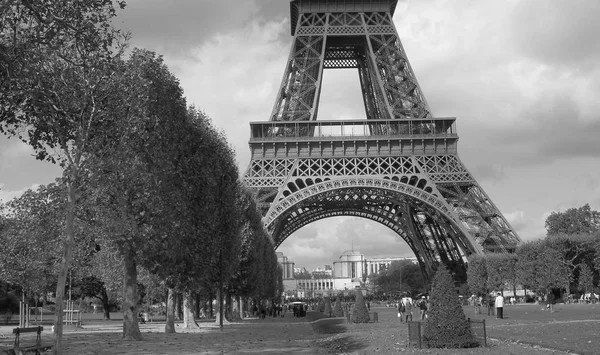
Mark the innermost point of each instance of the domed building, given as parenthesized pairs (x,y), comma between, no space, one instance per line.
(349,271)
(349,265)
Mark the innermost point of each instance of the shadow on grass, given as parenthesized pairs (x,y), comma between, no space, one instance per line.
(336,344)
(329,326)
(342,345)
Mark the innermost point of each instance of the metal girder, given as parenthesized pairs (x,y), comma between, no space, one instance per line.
(402,170)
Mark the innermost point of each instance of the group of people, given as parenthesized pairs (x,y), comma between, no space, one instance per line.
(406,305)
(405,308)
(493,304)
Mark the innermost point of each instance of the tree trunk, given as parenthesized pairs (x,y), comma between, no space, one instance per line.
(240,306)
(197,305)
(105,305)
(220,311)
(131,329)
(212,312)
(228,306)
(178,306)
(65,261)
(170,324)
(188,315)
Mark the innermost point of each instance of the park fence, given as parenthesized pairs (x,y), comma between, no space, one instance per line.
(374,316)
(415,332)
(478,330)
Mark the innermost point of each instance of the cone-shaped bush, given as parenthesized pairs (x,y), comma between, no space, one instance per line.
(327,309)
(338,311)
(360,313)
(321,305)
(446,325)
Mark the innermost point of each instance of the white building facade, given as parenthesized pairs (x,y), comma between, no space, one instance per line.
(351,268)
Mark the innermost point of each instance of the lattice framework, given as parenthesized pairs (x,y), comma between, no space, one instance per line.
(425,195)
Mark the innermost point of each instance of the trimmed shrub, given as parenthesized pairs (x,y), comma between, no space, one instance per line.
(360,314)
(327,309)
(337,308)
(446,325)
(321,305)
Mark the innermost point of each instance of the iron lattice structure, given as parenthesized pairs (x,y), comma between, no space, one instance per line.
(398,166)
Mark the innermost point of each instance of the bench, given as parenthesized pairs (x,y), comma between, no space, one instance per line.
(36,348)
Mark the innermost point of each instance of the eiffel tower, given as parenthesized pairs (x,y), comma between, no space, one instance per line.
(398,165)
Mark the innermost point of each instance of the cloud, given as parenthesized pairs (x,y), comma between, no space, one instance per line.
(516,219)
(234,76)
(492,172)
(19,169)
(560,33)
(7,195)
(513,107)
(178,27)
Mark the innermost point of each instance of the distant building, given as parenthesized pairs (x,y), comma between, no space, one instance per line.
(287,266)
(353,264)
(345,274)
(321,273)
(300,270)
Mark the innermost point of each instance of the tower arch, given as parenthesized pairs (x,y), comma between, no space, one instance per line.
(403,208)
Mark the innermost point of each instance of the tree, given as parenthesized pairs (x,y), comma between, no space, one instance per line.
(501,271)
(360,313)
(56,66)
(572,250)
(400,276)
(586,278)
(574,221)
(537,268)
(477,276)
(596,246)
(106,272)
(327,309)
(338,311)
(303,275)
(30,239)
(134,184)
(243,281)
(446,325)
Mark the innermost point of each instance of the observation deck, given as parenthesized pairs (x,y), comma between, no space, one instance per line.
(353,138)
(298,7)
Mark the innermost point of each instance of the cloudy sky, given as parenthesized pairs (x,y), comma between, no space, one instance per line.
(521,76)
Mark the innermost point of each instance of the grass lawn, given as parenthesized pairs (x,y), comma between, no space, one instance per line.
(526,329)
(571,327)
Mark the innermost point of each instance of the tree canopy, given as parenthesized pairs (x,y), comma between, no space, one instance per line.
(574,221)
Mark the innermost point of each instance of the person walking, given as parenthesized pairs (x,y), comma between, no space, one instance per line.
(408,308)
(499,306)
(423,307)
(401,309)
(490,302)
(550,301)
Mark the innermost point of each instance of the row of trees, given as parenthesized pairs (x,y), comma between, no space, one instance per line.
(400,277)
(567,259)
(148,183)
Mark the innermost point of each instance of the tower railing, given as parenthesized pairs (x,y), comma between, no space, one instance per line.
(352,129)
